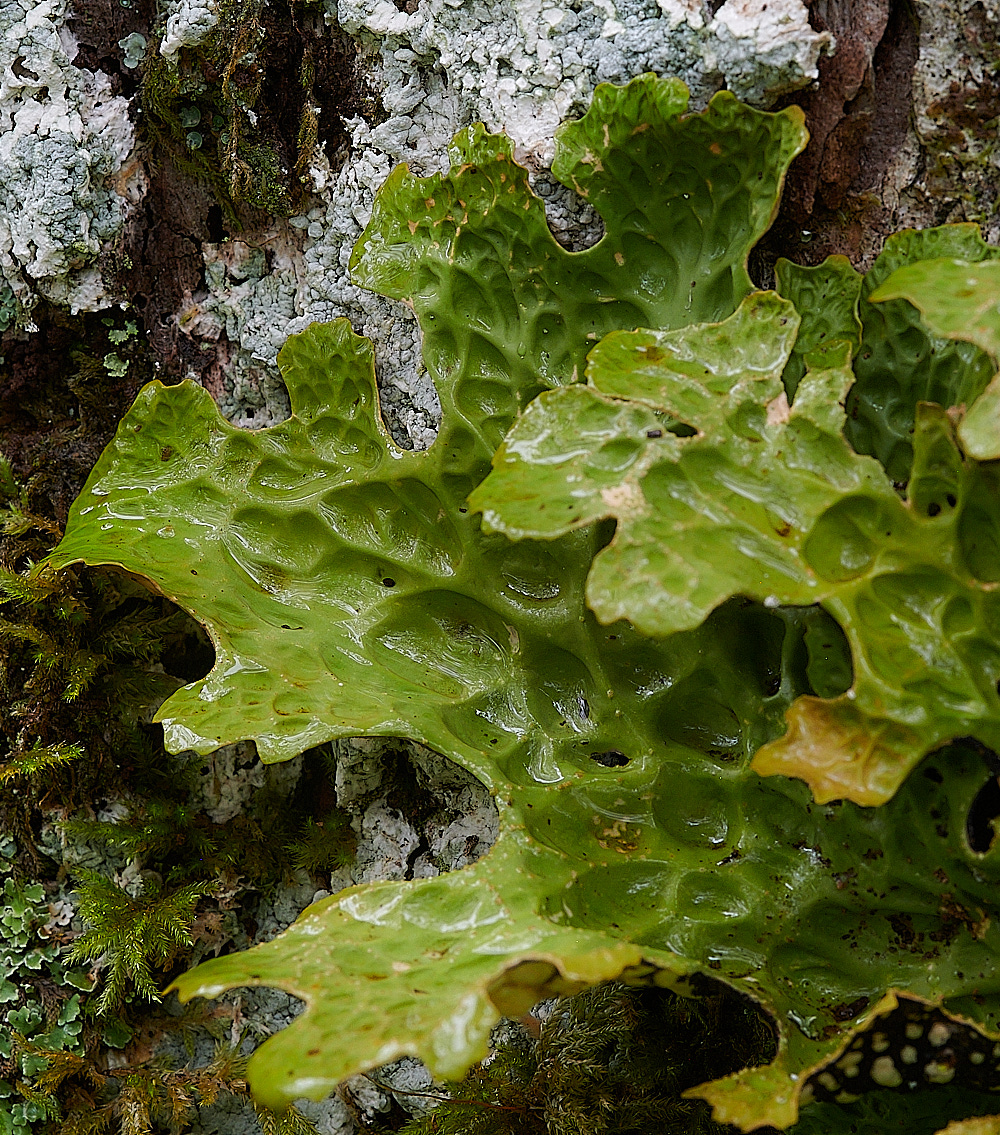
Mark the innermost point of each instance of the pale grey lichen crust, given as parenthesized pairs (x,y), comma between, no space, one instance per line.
(188,24)
(65,146)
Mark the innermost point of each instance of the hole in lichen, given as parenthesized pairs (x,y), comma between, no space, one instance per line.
(610,759)
(980,824)
(572,221)
(914,1046)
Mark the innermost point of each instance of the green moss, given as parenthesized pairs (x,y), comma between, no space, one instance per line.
(324,845)
(239,111)
(136,936)
(610,1061)
(170,91)
(71,646)
(136,1100)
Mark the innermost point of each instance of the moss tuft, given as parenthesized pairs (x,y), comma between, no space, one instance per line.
(246,111)
(613,1060)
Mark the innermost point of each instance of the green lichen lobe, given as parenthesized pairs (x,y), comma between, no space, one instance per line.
(349,590)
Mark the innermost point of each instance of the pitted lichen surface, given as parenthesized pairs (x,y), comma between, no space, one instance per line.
(506,311)
(634,837)
(900,361)
(769,501)
(350,590)
(960,300)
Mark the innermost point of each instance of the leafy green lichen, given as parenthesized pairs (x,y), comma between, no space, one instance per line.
(960,300)
(769,501)
(899,361)
(349,590)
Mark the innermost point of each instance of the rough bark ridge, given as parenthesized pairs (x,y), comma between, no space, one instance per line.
(898,125)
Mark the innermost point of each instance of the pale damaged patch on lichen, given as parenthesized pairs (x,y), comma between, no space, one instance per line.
(983,1125)
(778,410)
(625,499)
